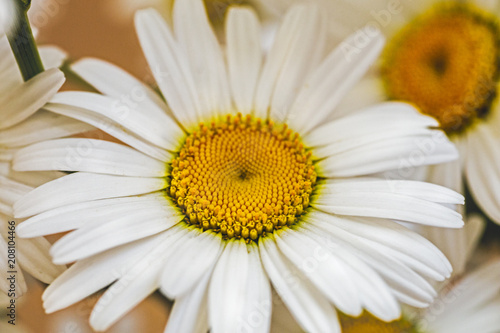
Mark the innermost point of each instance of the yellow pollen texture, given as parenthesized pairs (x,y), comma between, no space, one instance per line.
(242,177)
(367,323)
(446,63)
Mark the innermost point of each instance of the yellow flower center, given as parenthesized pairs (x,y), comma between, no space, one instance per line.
(242,177)
(367,323)
(447,63)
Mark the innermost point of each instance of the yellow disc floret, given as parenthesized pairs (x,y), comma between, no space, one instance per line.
(367,323)
(447,63)
(242,177)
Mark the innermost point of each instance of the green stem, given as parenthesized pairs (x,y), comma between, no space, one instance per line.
(23,44)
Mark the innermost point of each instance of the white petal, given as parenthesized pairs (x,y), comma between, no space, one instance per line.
(32,179)
(89,275)
(472,298)
(189,262)
(169,65)
(80,187)
(161,131)
(448,174)
(307,304)
(141,220)
(115,82)
(33,254)
(189,306)
(391,154)
(258,303)
(110,127)
(196,37)
(228,293)
(88,155)
(330,276)
(5,269)
(297,48)
(396,237)
(329,83)
(244,56)
(10,192)
(368,91)
(139,281)
(41,126)
(374,294)
(373,119)
(52,56)
(75,216)
(456,244)
(387,205)
(402,280)
(24,100)
(482,171)
(421,190)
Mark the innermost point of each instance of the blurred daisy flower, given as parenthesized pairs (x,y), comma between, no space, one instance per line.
(239,183)
(443,57)
(24,122)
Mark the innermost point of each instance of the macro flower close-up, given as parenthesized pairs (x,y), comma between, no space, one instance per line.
(274,167)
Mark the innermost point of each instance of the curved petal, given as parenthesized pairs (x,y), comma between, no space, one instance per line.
(406,245)
(330,275)
(244,56)
(88,155)
(161,131)
(189,262)
(61,192)
(138,282)
(329,83)
(115,82)
(307,304)
(196,37)
(52,56)
(24,100)
(75,216)
(482,171)
(169,65)
(297,48)
(118,229)
(33,255)
(41,126)
(89,275)
(229,297)
(111,127)
(189,306)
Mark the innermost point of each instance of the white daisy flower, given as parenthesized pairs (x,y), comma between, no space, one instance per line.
(442,56)
(239,183)
(24,122)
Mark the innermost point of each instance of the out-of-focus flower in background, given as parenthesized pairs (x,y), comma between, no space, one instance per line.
(442,56)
